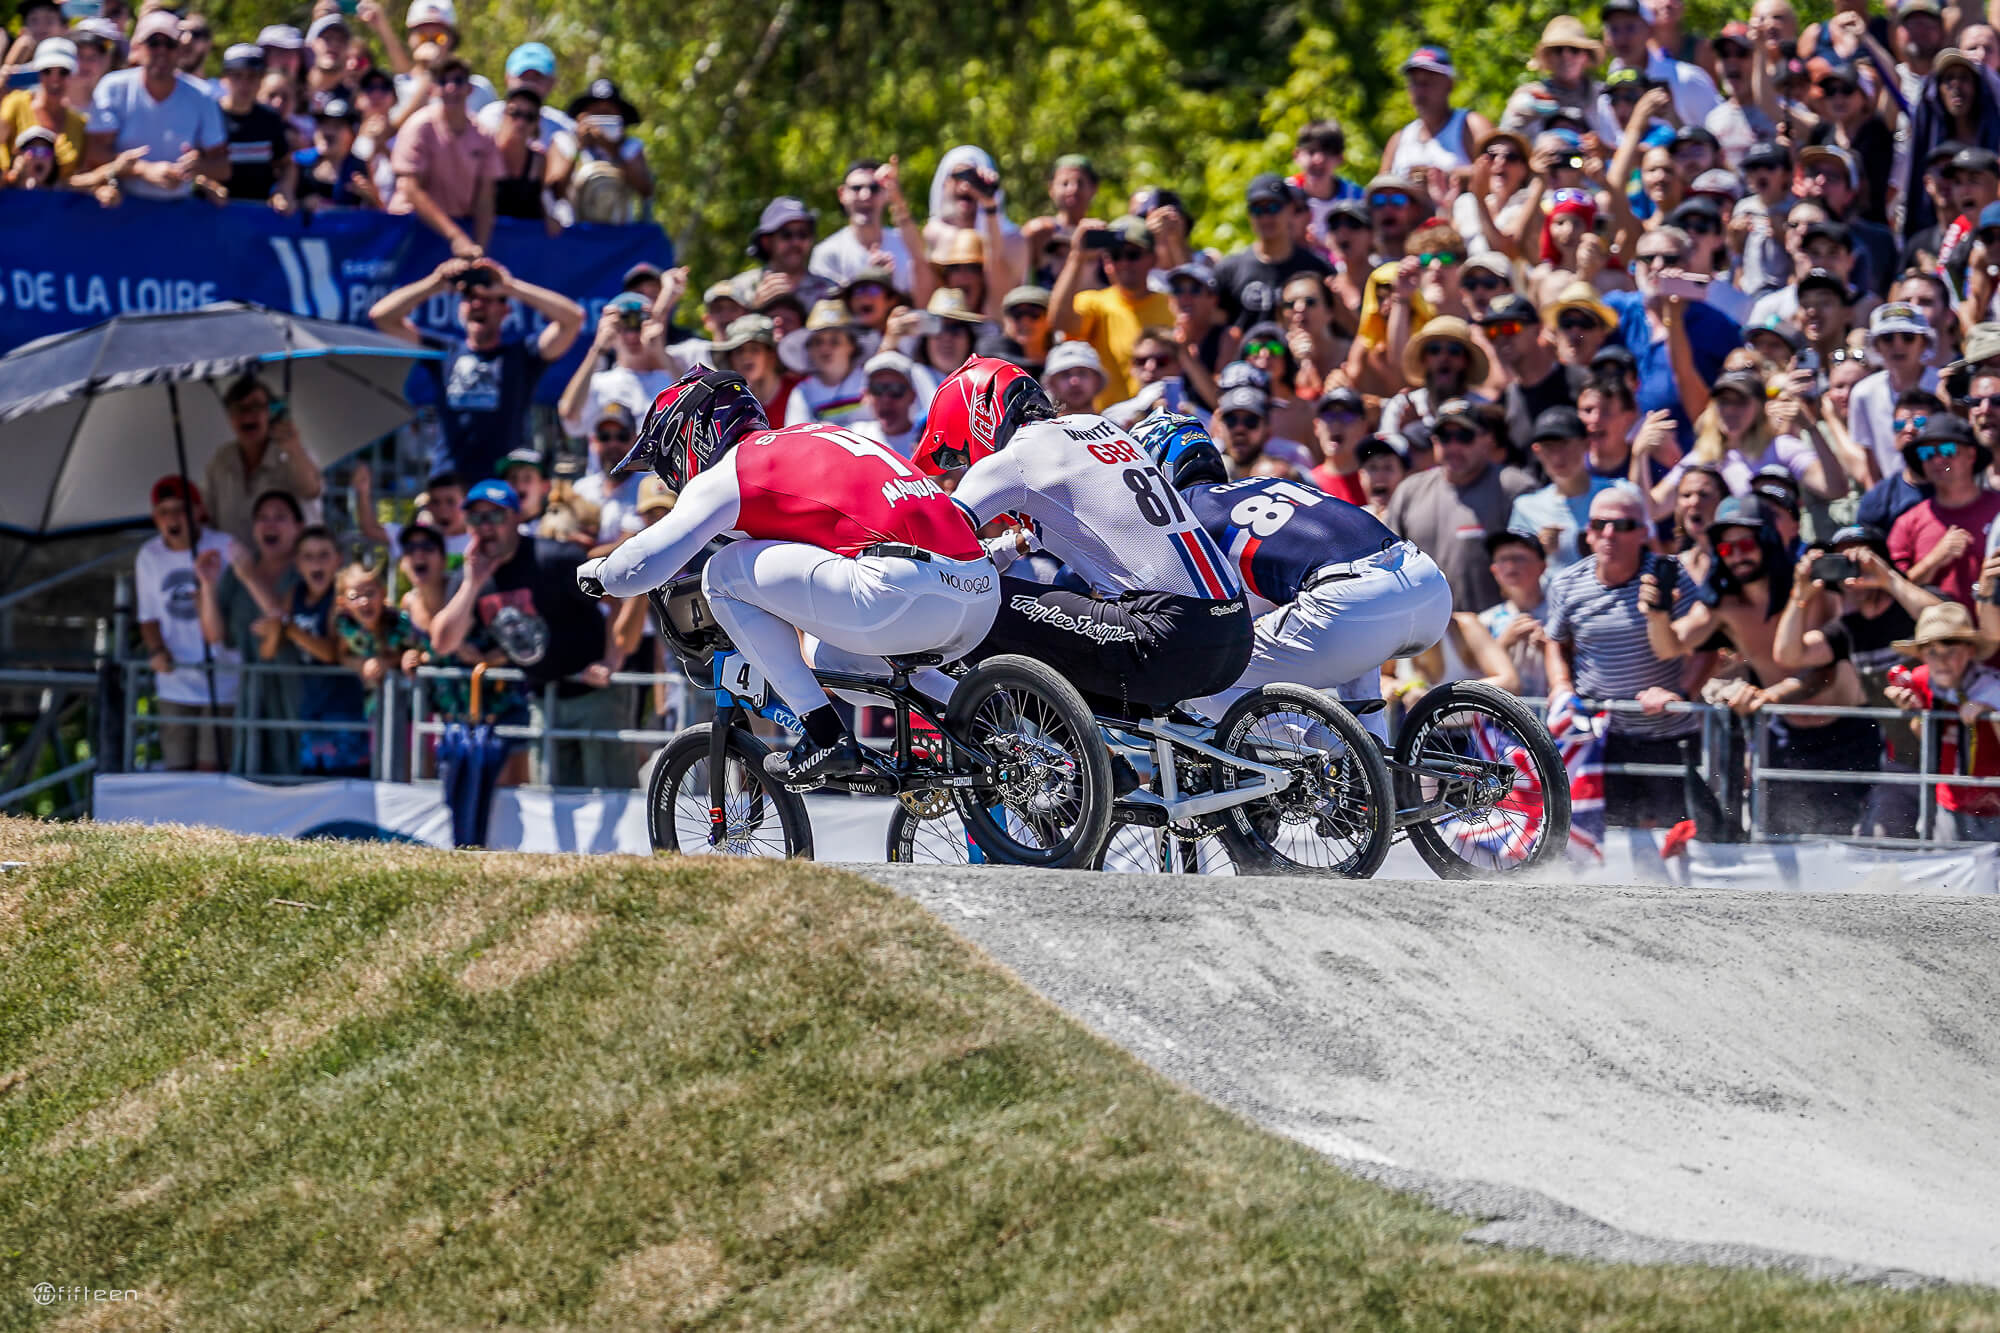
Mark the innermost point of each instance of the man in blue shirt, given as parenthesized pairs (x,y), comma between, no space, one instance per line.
(485,382)
(1642,326)
(1556,514)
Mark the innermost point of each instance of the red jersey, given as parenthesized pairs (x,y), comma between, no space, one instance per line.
(1341,485)
(834,489)
(1984,760)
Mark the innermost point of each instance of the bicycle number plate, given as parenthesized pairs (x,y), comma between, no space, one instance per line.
(734,673)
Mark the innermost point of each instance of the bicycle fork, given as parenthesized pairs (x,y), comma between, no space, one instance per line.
(718,773)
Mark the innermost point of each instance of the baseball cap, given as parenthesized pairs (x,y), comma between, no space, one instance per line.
(1074,354)
(1610,7)
(1860,534)
(243,55)
(1828,229)
(530,457)
(1431,57)
(1245,399)
(1765,153)
(627,301)
(615,411)
(1237,374)
(101,32)
(1777,327)
(1026,295)
(1827,279)
(1381,446)
(1911,8)
(1197,270)
(531,58)
(1976,159)
(893,362)
(1777,486)
(638,273)
(493,491)
(1351,208)
(1614,354)
(1746,382)
(410,530)
(35,134)
(55,53)
(1989,216)
(780,212)
(1132,231)
(277,36)
(1697,206)
(1513,307)
(1944,428)
(1266,187)
(1899,317)
(1454,409)
(1343,398)
(161,23)
(324,23)
(1719,183)
(1695,134)
(1509,537)
(337,108)
(1827,152)
(1557,423)
(431,11)
(1738,511)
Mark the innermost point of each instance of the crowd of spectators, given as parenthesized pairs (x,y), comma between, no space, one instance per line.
(1684,365)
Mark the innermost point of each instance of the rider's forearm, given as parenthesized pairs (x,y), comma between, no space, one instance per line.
(649,558)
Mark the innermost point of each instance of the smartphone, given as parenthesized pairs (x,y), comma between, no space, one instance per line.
(1807,360)
(1680,284)
(279,410)
(1834,570)
(1100,238)
(350,7)
(970,175)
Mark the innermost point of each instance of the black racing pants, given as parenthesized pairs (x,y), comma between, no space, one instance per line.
(1151,648)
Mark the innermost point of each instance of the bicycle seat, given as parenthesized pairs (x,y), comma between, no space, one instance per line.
(913,661)
(1123,710)
(1363,707)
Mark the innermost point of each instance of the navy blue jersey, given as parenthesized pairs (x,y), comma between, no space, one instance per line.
(1277,533)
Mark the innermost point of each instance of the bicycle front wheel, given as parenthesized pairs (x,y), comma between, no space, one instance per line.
(1491,763)
(938,839)
(1335,818)
(1054,809)
(760,818)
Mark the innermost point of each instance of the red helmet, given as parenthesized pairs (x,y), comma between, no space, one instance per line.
(977,411)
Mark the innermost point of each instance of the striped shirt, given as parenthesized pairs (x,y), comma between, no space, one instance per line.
(1606,633)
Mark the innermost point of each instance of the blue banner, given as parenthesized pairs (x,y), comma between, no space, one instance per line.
(74,263)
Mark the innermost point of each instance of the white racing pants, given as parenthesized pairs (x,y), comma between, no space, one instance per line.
(852,610)
(1338,634)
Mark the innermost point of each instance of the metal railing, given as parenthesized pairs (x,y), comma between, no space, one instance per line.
(406,722)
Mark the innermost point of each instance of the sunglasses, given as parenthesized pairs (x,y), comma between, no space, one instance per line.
(162,44)
(1345,222)
(1899,336)
(1911,423)
(1434,259)
(1482,282)
(1661,259)
(959,269)
(1454,435)
(1152,359)
(455,81)
(1261,346)
(1388,201)
(523,113)
(1613,525)
(1443,349)
(1926,452)
(1266,208)
(1735,546)
(1305,303)
(867,189)
(615,435)
(1242,420)
(888,389)
(795,234)
(1339,412)
(488,518)
(1989,402)
(1504,328)
(422,548)
(1190,290)
(1701,226)
(1504,156)
(1837,90)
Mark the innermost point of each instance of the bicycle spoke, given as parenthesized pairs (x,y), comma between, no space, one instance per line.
(749,820)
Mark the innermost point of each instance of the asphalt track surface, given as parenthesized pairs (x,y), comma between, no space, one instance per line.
(1809,1082)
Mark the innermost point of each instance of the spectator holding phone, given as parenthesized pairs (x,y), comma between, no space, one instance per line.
(640,367)
(1110,318)
(193,682)
(264,456)
(1850,604)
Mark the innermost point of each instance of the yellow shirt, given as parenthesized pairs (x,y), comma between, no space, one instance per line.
(17,113)
(1375,324)
(1111,322)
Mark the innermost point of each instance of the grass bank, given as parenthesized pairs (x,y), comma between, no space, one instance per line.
(327,1086)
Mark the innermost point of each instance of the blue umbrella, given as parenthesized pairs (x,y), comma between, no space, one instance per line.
(469,759)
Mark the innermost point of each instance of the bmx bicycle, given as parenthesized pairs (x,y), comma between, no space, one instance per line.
(1015,753)
(1473,780)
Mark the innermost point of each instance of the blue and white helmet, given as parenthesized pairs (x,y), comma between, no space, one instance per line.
(1181,446)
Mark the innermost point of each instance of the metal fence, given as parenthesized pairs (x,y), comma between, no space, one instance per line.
(1733,755)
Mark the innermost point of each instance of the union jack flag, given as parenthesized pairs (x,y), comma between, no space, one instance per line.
(1511,831)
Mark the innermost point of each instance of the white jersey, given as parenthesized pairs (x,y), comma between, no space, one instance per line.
(1100,506)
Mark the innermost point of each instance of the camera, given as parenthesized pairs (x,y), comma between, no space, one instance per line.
(1100,238)
(1833,570)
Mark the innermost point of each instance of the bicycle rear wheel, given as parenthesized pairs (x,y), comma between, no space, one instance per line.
(1055,810)
(1335,819)
(928,839)
(1482,751)
(760,818)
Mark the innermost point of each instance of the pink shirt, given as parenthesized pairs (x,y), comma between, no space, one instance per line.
(1920,529)
(452,168)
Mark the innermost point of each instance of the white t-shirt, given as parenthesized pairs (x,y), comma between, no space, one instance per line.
(617,508)
(636,389)
(169,595)
(1871,417)
(842,255)
(843,404)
